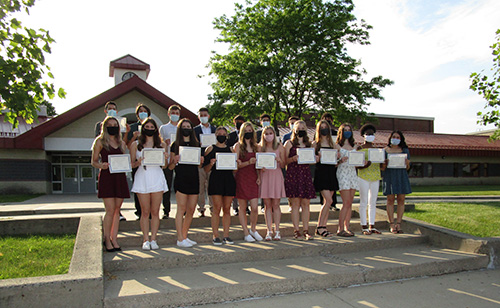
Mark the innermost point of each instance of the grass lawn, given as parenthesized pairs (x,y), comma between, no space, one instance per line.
(16,198)
(35,255)
(456,190)
(479,219)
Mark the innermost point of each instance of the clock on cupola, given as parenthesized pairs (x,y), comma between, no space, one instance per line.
(128,67)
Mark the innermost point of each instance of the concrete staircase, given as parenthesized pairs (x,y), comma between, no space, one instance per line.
(173,276)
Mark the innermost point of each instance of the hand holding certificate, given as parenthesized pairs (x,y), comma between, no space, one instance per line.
(153,157)
(328,156)
(266,160)
(189,155)
(306,156)
(356,159)
(376,155)
(119,163)
(397,161)
(226,161)
(207,139)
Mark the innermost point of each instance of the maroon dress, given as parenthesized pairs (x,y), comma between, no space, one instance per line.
(298,180)
(246,180)
(111,185)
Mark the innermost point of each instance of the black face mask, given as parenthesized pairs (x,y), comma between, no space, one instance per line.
(221,139)
(324,131)
(248,135)
(113,130)
(302,133)
(186,132)
(238,125)
(149,132)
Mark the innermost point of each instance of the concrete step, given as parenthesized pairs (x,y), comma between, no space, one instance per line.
(170,256)
(173,287)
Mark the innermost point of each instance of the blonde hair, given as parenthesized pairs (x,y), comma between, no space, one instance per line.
(104,136)
(318,134)
(275,142)
(253,140)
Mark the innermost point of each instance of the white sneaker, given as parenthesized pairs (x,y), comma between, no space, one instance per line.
(146,245)
(154,245)
(184,244)
(191,241)
(249,238)
(255,235)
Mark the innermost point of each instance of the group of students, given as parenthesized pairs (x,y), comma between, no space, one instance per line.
(246,184)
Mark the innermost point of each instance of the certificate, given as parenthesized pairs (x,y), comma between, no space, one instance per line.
(123,124)
(207,139)
(189,155)
(397,161)
(376,155)
(172,138)
(328,156)
(226,161)
(306,156)
(356,158)
(119,163)
(265,160)
(153,157)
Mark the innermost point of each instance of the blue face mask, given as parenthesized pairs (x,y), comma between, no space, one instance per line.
(174,118)
(395,141)
(111,113)
(347,135)
(143,115)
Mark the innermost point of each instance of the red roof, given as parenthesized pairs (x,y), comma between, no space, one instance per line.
(128,62)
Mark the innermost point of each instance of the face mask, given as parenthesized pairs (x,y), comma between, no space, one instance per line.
(324,131)
(370,138)
(113,130)
(186,131)
(269,138)
(266,123)
(204,120)
(174,118)
(143,115)
(395,141)
(291,126)
(302,133)
(347,135)
(238,125)
(148,132)
(111,113)
(248,135)
(221,138)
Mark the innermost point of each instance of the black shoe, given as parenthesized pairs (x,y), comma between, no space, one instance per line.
(202,213)
(217,241)
(165,216)
(227,241)
(108,249)
(236,212)
(334,207)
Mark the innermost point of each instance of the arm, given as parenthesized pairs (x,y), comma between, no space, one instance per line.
(96,149)
(208,165)
(133,155)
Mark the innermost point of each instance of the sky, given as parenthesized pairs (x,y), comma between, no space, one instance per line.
(428,48)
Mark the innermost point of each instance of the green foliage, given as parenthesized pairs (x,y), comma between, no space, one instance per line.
(289,57)
(22,66)
(489,89)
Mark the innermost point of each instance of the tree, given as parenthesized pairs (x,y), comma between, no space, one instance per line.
(489,89)
(289,57)
(22,66)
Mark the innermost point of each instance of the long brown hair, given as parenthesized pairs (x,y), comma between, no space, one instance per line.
(318,134)
(340,135)
(253,140)
(295,139)
(142,137)
(104,136)
(179,138)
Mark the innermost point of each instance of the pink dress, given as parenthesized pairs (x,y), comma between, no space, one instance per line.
(272,184)
(246,180)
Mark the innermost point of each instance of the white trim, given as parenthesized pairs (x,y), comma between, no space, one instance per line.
(401,117)
(68,144)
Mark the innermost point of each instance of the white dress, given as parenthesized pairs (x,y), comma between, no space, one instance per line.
(149,179)
(346,175)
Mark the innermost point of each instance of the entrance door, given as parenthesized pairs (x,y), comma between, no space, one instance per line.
(70,179)
(87,180)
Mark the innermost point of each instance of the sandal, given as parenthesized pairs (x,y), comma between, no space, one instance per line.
(277,236)
(297,235)
(365,230)
(393,228)
(344,233)
(398,228)
(325,232)
(307,236)
(268,237)
(374,230)
(349,233)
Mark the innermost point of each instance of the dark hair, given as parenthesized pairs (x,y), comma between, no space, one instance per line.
(238,118)
(203,109)
(110,103)
(366,127)
(265,115)
(142,136)
(179,138)
(326,115)
(293,118)
(173,107)
(340,135)
(144,106)
(402,144)
(295,139)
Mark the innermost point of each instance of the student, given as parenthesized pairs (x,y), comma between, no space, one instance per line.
(265,120)
(395,181)
(247,181)
(291,122)
(368,182)
(186,183)
(166,131)
(325,178)
(329,118)
(112,187)
(203,128)
(149,181)
(347,178)
(298,181)
(221,186)
(232,139)
(272,186)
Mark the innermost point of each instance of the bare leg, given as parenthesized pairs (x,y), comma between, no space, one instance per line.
(216,215)
(295,203)
(325,208)
(304,203)
(276,213)
(226,214)
(179,216)
(109,206)
(190,208)
(254,213)
(145,202)
(242,215)
(268,204)
(156,199)
(347,221)
(346,206)
(116,222)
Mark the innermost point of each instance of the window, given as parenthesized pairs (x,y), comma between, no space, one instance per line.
(416,170)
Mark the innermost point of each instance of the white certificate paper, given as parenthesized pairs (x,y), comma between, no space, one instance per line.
(376,155)
(397,161)
(153,157)
(356,158)
(306,156)
(172,138)
(266,160)
(207,139)
(328,156)
(119,163)
(226,161)
(189,155)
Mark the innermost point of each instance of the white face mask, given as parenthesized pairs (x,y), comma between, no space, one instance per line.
(370,138)
(266,123)
(204,120)
(111,113)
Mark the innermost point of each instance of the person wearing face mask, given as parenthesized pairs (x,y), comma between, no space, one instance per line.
(291,121)
(232,138)
(395,183)
(149,182)
(112,187)
(142,112)
(265,120)
(203,128)
(166,132)
(368,182)
(329,118)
